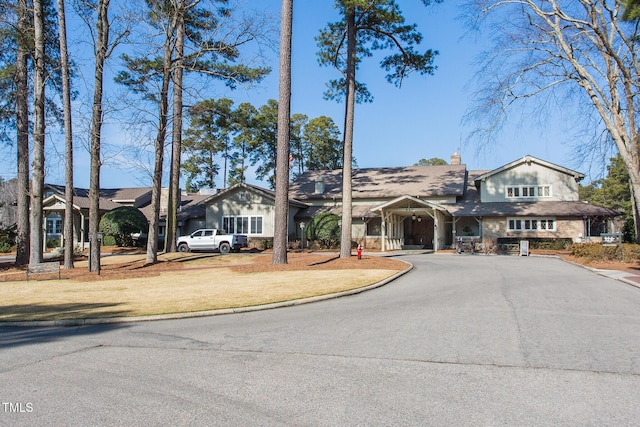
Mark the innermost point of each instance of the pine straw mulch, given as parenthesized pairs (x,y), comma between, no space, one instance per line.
(631,267)
(254,264)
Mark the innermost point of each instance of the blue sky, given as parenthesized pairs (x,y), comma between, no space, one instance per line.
(423,119)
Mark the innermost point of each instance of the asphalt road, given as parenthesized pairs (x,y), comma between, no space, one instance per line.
(459,341)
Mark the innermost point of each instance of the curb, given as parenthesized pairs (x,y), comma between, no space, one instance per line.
(208,313)
(620,276)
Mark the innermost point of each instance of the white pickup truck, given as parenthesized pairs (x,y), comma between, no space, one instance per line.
(210,239)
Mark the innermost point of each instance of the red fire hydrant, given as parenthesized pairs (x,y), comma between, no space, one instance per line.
(360,251)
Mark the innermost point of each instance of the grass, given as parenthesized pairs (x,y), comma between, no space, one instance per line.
(194,283)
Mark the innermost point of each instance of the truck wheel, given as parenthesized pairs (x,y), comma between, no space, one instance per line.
(183,247)
(224,248)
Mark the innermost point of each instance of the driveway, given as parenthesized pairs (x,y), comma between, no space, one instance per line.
(460,340)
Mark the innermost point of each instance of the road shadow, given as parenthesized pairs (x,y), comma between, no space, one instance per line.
(23,336)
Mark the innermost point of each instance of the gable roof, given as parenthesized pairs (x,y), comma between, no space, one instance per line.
(80,202)
(190,207)
(417,181)
(411,200)
(117,195)
(263,191)
(528,160)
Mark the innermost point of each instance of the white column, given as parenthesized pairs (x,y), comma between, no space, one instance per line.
(384,231)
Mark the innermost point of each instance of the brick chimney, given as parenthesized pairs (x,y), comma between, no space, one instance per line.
(456,159)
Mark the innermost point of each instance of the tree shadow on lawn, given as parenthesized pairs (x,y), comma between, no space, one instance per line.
(60,312)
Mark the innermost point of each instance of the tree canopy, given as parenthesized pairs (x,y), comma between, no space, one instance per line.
(612,192)
(433,161)
(122,223)
(580,56)
(227,139)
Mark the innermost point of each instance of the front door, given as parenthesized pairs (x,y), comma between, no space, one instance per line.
(419,231)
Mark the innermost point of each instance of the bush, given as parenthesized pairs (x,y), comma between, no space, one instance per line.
(121,223)
(324,230)
(551,244)
(597,252)
(539,242)
(53,243)
(108,241)
(7,240)
(266,244)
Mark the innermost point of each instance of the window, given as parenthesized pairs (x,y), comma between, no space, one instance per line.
(242,224)
(54,225)
(374,227)
(527,191)
(228,224)
(530,224)
(544,191)
(256,224)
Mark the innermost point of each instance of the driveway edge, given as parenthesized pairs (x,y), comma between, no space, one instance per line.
(208,313)
(620,276)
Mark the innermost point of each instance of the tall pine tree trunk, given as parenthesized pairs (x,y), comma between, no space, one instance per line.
(66,99)
(22,125)
(347,162)
(282,155)
(37,179)
(154,222)
(102,30)
(174,179)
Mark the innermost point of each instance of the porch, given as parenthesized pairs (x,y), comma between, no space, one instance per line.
(413,223)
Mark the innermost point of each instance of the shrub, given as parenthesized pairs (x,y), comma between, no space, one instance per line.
(109,241)
(324,230)
(597,252)
(7,240)
(121,223)
(539,242)
(266,244)
(53,243)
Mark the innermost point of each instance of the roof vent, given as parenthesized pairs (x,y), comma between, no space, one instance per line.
(319,188)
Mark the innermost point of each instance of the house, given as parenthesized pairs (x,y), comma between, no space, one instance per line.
(393,207)
(246,209)
(190,214)
(426,206)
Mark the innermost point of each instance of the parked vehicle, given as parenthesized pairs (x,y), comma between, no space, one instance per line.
(209,239)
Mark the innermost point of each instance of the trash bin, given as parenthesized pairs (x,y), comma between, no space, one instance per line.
(524,248)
